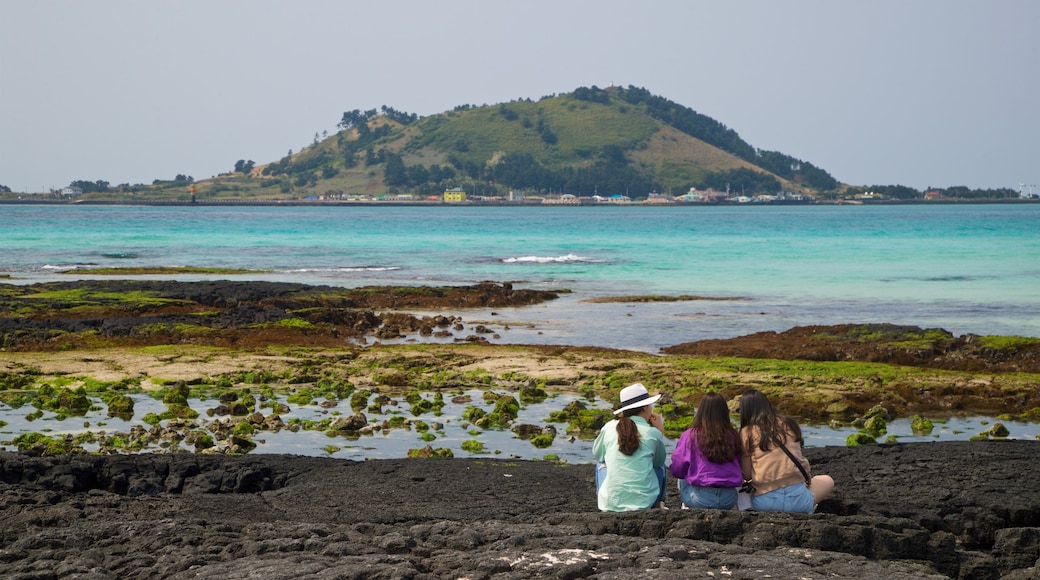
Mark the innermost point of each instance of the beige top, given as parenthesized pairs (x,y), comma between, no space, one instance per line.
(773,469)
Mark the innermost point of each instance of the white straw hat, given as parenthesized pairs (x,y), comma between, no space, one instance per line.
(635,396)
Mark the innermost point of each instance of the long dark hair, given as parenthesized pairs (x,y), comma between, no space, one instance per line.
(756,410)
(628,434)
(716,437)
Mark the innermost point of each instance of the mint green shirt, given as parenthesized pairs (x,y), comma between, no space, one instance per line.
(630,483)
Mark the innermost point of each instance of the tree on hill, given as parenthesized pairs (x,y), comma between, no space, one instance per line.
(714,133)
(689,121)
(795,170)
(896,191)
(356,120)
(394,172)
(592,94)
(398,116)
(595,162)
(85,186)
(743,180)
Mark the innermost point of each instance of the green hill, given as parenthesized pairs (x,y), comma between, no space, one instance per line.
(590,141)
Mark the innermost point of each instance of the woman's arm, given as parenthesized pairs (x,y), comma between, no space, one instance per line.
(657,421)
(745,453)
(660,453)
(681,457)
(599,448)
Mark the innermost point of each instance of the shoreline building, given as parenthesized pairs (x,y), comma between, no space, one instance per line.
(454,195)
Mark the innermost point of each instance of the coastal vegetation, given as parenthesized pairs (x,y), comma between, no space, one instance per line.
(377,389)
(592,141)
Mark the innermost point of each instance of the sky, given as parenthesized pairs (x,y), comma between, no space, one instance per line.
(925,93)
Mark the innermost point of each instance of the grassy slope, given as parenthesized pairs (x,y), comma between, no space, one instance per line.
(582,128)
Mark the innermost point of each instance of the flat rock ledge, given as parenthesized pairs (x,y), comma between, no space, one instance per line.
(916,510)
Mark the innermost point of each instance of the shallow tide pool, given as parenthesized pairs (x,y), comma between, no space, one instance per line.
(454,430)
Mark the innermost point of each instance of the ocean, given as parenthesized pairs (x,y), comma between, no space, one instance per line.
(964,268)
(972,268)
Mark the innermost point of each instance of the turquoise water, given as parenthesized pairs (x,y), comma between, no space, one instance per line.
(965,268)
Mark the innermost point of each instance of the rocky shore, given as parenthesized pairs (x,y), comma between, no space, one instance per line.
(949,509)
(929,510)
(85,314)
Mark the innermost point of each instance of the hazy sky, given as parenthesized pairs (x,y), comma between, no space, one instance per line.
(916,92)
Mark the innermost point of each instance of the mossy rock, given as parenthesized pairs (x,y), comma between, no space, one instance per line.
(857,439)
(413,397)
(543,441)
(472,413)
(505,412)
(177,395)
(921,425)
(121,406)
(63,401)
(179,412)
(41,444)
(1031,415)
(877,411)
(438,403)
(242,444)
(875,425)
(581,421)
(429,452)
(999,431)
(421,406)
(472,446)
(533,394)
(359,400)
(202,440)
(302,397)
(840,409)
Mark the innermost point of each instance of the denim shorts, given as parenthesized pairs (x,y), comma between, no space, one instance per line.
(795,498)
(719,498)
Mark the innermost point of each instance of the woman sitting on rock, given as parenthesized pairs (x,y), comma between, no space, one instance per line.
(630,455)
(772,459)
(706,460)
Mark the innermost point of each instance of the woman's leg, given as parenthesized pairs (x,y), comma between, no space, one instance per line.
(688,495)
(821,486)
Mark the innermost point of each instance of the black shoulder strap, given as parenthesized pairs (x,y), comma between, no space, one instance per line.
(797,464)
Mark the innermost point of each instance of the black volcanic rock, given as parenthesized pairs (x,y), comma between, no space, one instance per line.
(925,510)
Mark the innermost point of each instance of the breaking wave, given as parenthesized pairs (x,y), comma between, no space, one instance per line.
(568,259)
(344,269)
(67,267)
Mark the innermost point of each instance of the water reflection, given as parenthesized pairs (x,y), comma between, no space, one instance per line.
(453,430)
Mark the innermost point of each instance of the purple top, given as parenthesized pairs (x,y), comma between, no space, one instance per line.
(690,464)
